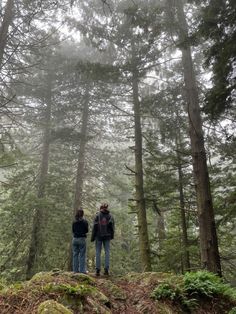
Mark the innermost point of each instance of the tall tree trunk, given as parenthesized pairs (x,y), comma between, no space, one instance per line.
(186,260)
(38,213)
(80,165)
(139,195)
(161,232)
(81,156)
(7,20)
(210,257)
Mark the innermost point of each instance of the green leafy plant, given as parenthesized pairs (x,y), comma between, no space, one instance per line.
(187,289)
(174,293)
(207,284)
(201,283)
(166,291)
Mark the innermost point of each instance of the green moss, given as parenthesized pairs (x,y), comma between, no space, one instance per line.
(50,277)
(77,289)
(18,286)
(97,307)
(82,278)
(187,290)
(41,277)
(147,278)
(13,288)
(116,292)
(72,301)
(100,297)
(52,307)
(3,284)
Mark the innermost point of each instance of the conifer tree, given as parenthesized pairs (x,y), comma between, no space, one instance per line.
(208,237)
(217,26)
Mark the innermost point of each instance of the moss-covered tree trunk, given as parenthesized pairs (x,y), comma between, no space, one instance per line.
(35,245)
(4,28)
(210,257)
(139,190)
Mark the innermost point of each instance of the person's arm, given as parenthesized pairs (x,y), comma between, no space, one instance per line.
(112,221)
(94,229)
(86,226)
(73,227)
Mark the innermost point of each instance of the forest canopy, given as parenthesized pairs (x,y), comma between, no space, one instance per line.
(128,102)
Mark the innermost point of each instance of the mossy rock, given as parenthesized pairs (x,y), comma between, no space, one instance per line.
(69,289)
(82,278)
(50,277)
(148,278)
(96,307)
(116,292)
(41,277)
(102,298)
(52,307)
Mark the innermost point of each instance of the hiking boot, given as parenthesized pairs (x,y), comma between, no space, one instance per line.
(106,272)
(97,272)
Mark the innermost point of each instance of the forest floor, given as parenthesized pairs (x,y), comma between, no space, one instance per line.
(68,293)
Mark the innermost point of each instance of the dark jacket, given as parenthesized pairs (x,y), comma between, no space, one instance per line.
(80,228)
(103,226)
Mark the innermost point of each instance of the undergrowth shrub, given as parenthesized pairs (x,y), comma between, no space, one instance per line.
(207,284)
(192,287)
(167,291)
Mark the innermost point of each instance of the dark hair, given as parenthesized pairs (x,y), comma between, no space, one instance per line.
(104,206)
(79,214)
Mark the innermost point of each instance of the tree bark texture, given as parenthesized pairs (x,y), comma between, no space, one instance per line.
(38,214)
(139,195)
(161,232)
(4,29)
(78,197)
(81,156)
(186,259)
(210,257)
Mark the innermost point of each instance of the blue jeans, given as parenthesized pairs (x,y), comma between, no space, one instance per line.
(106,245)
(79,254)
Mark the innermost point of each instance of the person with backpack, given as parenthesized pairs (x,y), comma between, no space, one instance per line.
(80,230)
(102,234)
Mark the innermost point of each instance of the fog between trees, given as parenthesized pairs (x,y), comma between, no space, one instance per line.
(128,102)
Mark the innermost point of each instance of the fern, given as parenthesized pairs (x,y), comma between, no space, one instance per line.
(203,283)
(188,289)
